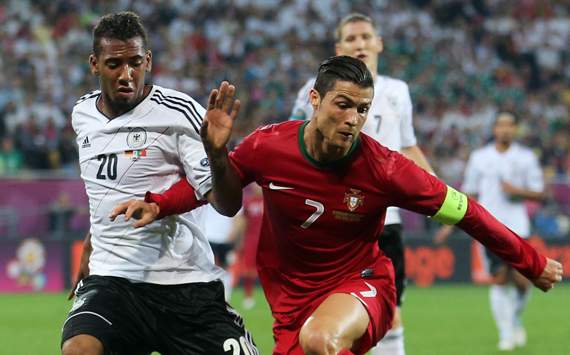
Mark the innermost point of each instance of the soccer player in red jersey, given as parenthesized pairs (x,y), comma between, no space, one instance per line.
(326,188)
(246,228)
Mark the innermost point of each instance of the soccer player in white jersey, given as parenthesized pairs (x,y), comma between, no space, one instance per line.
(501,175)
(154,288)
(390,123)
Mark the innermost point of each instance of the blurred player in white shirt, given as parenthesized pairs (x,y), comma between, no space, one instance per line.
(218,229)
(390,123)
(502,175)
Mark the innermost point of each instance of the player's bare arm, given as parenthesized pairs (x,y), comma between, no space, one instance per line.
(522,193)
(83,271)
(226,194)
(415,154)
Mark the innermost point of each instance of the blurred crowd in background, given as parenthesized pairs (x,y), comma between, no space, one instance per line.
(463,61)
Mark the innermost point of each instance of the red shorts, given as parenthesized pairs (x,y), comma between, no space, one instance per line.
(377,294)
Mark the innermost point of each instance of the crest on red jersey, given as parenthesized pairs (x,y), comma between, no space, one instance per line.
(353,199)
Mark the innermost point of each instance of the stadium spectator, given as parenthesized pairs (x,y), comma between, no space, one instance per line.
(490,54)
(10,158)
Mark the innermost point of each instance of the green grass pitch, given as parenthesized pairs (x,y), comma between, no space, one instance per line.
(442,320)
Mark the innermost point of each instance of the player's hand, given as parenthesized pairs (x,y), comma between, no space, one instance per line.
(552,274)
(143,212)
(509,189)
(442,234)
(217,125)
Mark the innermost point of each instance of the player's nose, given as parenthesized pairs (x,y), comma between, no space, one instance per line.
(126,73)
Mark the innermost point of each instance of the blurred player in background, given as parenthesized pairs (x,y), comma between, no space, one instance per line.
(390,123)
(154,288)
(326,189)
(218,230)
(502,175)
(246,229)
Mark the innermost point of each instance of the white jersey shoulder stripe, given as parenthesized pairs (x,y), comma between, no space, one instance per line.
(188,103)
(180,105)
(88,96)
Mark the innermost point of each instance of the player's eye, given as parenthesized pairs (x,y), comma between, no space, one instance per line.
(343,105)
(363,109)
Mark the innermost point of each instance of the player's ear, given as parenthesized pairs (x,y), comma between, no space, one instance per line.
(148,56)
(315,99)
(93,64)
(380,44)
(337,49)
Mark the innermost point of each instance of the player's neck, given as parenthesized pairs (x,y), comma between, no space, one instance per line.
(106,107)
(502,146)
(318,147)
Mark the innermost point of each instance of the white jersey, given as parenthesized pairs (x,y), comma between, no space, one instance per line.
(389,119)
(485,171)
(145,149)
(217,226)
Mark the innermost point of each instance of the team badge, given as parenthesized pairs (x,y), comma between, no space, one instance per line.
(353,199)
(136,137)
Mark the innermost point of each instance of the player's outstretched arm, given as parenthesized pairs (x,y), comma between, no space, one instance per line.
(416,190)
(226,194)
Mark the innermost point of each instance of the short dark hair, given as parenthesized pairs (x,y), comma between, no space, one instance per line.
(120,25)
(343,68)
(351,18)
(506,113)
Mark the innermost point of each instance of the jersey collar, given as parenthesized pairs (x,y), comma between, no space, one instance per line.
(330,164)
(140,109)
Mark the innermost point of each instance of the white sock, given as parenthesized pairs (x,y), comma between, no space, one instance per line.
(521,300)
(391,344)
(503,310)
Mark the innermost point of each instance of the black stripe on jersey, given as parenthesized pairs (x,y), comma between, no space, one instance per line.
(187,104)
(88,96)
(184,112)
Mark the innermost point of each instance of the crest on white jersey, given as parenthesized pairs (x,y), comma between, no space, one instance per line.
(136,137)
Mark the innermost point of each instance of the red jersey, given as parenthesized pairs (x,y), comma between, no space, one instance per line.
(321,220)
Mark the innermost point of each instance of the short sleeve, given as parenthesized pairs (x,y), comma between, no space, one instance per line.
(302,109)
(534,179)
(407,126)
(194,158)
(472,176)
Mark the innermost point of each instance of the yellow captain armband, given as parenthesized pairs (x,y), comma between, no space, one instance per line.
(453,207)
